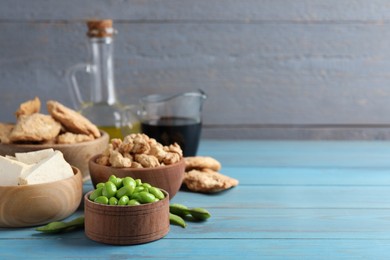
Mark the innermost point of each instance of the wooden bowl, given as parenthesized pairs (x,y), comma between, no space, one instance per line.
(37,204)
(169,177)
(77,155)
(126,225)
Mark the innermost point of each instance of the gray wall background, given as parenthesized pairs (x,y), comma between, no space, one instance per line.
(273,69)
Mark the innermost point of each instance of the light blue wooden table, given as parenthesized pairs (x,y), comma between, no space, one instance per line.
(295,200)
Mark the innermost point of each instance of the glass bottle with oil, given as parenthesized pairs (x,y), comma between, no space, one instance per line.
(103,108)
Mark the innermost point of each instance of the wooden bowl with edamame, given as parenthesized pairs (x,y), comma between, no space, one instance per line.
(116,223)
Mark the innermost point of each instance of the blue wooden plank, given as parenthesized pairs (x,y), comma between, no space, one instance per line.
(200,249)
(295,196)
(308,176)
(292,197)
(312,223)
(331,209)
(255,223)
(244,153)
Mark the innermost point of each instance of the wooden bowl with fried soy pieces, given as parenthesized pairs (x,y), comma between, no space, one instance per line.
(37,204)
(167,177)
(77,154)
(126,225)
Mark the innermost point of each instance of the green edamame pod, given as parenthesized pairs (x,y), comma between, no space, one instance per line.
(109,189)
(96,193)
(101,200)
(157,192)
(179,209)
(177,220)
(57,227)
(52,226)
(199,213)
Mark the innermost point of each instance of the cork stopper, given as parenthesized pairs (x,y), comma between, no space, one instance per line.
(100,28)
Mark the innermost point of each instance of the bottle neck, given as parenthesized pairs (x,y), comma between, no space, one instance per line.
(103,88)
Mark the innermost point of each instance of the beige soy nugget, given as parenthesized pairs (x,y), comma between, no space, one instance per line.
(71,138)
(29,107)
(35,128)
(139,151)
(5,130)
(208,181)
(71,120)
(202,162)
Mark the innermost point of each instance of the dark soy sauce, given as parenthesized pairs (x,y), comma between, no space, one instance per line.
(168,130)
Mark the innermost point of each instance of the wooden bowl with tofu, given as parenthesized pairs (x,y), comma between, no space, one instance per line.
(77,154)
(39,188)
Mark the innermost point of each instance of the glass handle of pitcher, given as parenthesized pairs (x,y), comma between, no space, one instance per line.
(130,121)
(75,93)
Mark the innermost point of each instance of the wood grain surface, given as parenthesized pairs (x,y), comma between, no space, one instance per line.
(295,200)
(272,69)
(126,225)
(38,204)
(77,154)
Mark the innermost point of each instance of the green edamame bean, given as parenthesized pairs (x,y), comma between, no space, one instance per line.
(129,181)
(179,209)
(96,193)
(119,191)
(177,220)
(199,213)
(139,189)
(100,184)
(125,190)
(133,202)
(146,185)
(146,197)
(123,200)
(109,189)
(113,201)
(143,197)
(136,196)
(116,180)
(119,182)
(138,182)
(156,192)
(101,200)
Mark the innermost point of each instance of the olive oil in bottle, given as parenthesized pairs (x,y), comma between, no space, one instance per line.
(103,109)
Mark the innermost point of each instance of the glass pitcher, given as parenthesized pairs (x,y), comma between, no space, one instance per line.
(173,118)
(103,109)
